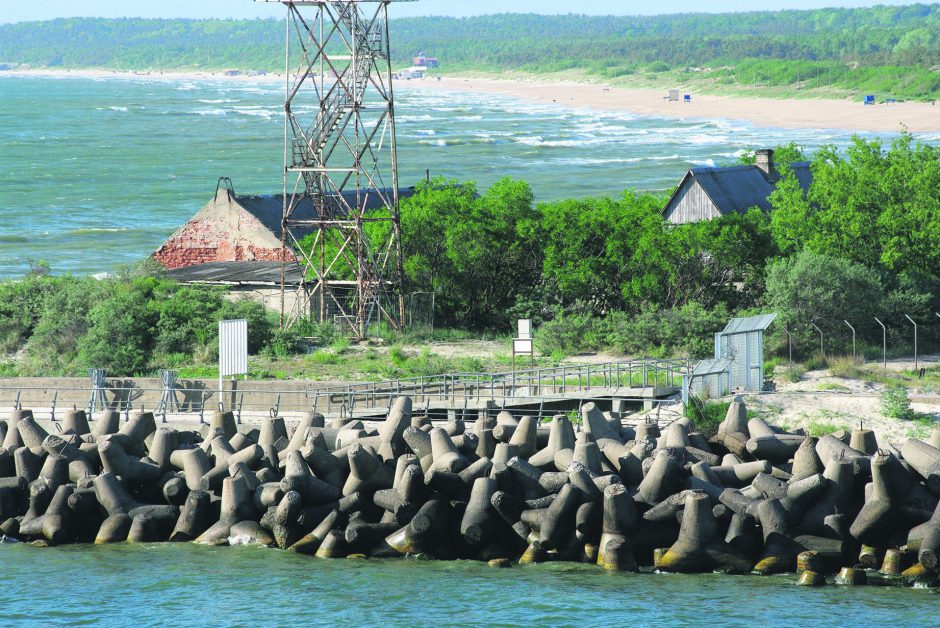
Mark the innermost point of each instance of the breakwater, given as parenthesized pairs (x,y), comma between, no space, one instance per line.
(502,489)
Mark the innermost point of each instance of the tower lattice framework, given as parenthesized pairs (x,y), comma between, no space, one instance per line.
(340,167)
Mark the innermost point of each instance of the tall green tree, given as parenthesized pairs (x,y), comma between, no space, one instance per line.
(476,253)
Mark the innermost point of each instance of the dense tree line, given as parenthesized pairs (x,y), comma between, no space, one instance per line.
(885,50)
(862,242)
(604,273)
(129,324)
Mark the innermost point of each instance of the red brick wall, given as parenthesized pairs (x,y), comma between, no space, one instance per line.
(199,243)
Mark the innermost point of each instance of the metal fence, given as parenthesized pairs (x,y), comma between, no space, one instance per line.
(454,390)
(468,389)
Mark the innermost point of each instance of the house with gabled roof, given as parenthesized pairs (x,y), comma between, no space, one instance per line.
(231,228)
(706,193)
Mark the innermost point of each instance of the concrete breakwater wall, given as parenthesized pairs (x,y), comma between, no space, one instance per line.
(503,489)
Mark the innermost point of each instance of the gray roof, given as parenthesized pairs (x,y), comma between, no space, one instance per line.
(739,188)
(745,325)
(711,367)
(237,273)
(269,208)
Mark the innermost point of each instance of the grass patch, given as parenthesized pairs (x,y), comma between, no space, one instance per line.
(792,373)
(846,368)
(772,366)
(833,387)
(822,427)
(323,358)
(204,371)
(706,416)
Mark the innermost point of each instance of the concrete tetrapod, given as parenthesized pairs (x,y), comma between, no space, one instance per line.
(697,548)
(424,532)
(609,495)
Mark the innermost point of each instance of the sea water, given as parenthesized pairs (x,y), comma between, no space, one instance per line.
(95,173)
(188,585)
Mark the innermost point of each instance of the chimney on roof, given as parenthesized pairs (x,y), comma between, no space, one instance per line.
(765,161)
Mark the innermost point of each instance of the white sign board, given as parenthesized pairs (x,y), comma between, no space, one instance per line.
(522,346)
(233,348)
(525,328)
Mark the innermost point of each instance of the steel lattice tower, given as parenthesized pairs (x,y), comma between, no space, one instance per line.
(340,165)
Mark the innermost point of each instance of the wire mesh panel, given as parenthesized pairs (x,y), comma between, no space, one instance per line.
(419,311)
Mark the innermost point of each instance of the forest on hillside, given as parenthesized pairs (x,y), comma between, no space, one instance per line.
(893,51)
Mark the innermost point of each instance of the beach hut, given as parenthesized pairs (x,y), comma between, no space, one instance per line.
(673,95)
(741,342)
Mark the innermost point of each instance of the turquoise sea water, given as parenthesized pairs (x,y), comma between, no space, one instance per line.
(186,585)
(98,172)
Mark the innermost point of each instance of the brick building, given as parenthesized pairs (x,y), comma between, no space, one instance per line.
(232,228)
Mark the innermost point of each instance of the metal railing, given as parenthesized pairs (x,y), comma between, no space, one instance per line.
(619,380)
(474,388)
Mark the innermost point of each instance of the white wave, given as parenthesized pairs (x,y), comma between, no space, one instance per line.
(592,161)
(254,110)
(704,139)
(210,112)
(468,118)
(215,101)
(185,87)
(116,108)
(426,132)
(406,119)
(536,140)
(540,141)
(710,163)
(447,142)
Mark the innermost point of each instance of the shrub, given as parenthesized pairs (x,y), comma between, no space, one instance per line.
(895,404)
(119,336)
(567,334)
(706,416)
(261,322)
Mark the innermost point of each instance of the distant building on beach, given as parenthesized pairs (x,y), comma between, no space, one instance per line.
(425,62)
(232,228)
(706,193)
(414,72)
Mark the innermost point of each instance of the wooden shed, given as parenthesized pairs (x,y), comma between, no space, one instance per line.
(706,193)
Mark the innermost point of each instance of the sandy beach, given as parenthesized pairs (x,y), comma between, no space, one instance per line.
(845,115)
(765,112)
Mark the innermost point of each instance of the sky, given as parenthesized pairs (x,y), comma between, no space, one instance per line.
(18,11)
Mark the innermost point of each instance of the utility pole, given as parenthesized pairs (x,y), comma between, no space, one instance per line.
(822,350)
(853,338)
(915,339)
(884,341)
